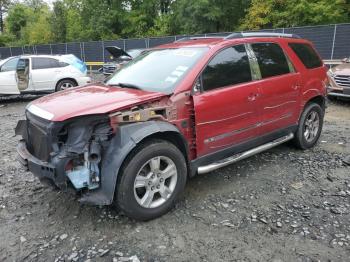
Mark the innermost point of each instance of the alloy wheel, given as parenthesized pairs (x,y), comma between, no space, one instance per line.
(66,85)
(155,182)
(311,126)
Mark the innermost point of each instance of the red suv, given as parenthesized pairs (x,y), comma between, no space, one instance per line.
(175,111)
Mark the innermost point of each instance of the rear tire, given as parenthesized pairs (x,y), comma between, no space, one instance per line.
(65,84)
(310,126)
(152,179)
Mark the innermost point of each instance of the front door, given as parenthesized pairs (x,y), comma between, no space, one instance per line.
(8,83)
(23,74)
(226,107)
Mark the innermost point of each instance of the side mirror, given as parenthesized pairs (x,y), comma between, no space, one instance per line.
(197,86)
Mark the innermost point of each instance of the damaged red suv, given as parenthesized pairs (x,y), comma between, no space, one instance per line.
(175,111)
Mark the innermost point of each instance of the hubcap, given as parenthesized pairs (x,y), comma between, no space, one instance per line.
(155,182)
(311,127)
(65,86)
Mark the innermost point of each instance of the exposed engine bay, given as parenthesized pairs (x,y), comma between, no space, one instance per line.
(83,169)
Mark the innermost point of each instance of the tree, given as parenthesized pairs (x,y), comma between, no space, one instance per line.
(205,16)
(17,18)
(32,21)
(38,30)
(35,4)
(101,19)
(5,39)
(140,18)
(4,5)
(165,6)
(283,13)
(59,22)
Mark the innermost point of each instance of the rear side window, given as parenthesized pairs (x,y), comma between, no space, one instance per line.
(227,68)
(44,63)
(307,55)
(271,59)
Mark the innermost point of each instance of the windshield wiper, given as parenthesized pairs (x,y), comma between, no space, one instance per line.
(127,85)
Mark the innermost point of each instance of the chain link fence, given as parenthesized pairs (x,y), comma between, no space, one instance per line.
(331,41)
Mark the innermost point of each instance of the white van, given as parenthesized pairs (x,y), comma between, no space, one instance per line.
(41,74)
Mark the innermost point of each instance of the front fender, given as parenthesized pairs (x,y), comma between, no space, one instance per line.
(126,139)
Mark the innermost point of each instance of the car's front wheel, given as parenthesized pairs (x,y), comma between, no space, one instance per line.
(151,181)
(310,126)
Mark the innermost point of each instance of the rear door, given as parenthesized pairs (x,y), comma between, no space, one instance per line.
(280,88)
(44,73)
(8,83)
(225,108)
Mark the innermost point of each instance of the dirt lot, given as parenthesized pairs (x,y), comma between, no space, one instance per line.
(282,205)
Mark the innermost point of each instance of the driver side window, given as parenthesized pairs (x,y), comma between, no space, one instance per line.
(229,67)
(10,65)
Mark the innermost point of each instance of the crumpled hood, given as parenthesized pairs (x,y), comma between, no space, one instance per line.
(89,100)
(343,69)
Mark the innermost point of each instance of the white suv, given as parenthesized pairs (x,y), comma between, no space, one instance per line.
(41,74)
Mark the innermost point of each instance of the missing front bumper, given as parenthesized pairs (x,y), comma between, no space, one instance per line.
(39,168)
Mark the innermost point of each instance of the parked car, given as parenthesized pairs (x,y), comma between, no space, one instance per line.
(120,58)
(178,110)
(41,74)
(340,80)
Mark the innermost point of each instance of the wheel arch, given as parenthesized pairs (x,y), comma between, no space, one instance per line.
(320,100)
(127,139)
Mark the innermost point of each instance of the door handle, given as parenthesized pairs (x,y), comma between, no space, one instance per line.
(296,86)
(252,97)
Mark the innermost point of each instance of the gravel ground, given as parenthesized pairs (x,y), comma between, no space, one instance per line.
(281,205)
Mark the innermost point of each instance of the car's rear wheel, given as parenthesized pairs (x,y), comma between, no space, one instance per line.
(310,126)
(65,84)
(152,178)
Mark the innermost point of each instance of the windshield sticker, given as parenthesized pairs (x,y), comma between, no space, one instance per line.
(186,53)
(171,79)
(181,68)
(177,73)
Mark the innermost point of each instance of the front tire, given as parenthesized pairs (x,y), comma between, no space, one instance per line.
(152,179)
(310,126)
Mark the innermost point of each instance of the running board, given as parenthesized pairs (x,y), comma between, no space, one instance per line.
(235,158)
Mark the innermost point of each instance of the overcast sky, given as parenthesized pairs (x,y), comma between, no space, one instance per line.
(49,1)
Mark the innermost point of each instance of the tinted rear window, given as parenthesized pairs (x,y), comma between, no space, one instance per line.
(307,55)
(271,59)
(44,63)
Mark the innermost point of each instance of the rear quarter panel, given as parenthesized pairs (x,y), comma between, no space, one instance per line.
(313,80)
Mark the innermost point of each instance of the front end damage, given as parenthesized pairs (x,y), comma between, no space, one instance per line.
(67,154)
(86,153)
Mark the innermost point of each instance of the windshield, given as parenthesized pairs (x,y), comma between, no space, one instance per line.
(4,61)
(157,70)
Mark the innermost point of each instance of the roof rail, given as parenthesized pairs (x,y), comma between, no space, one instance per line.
(195,38)
(244,35)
